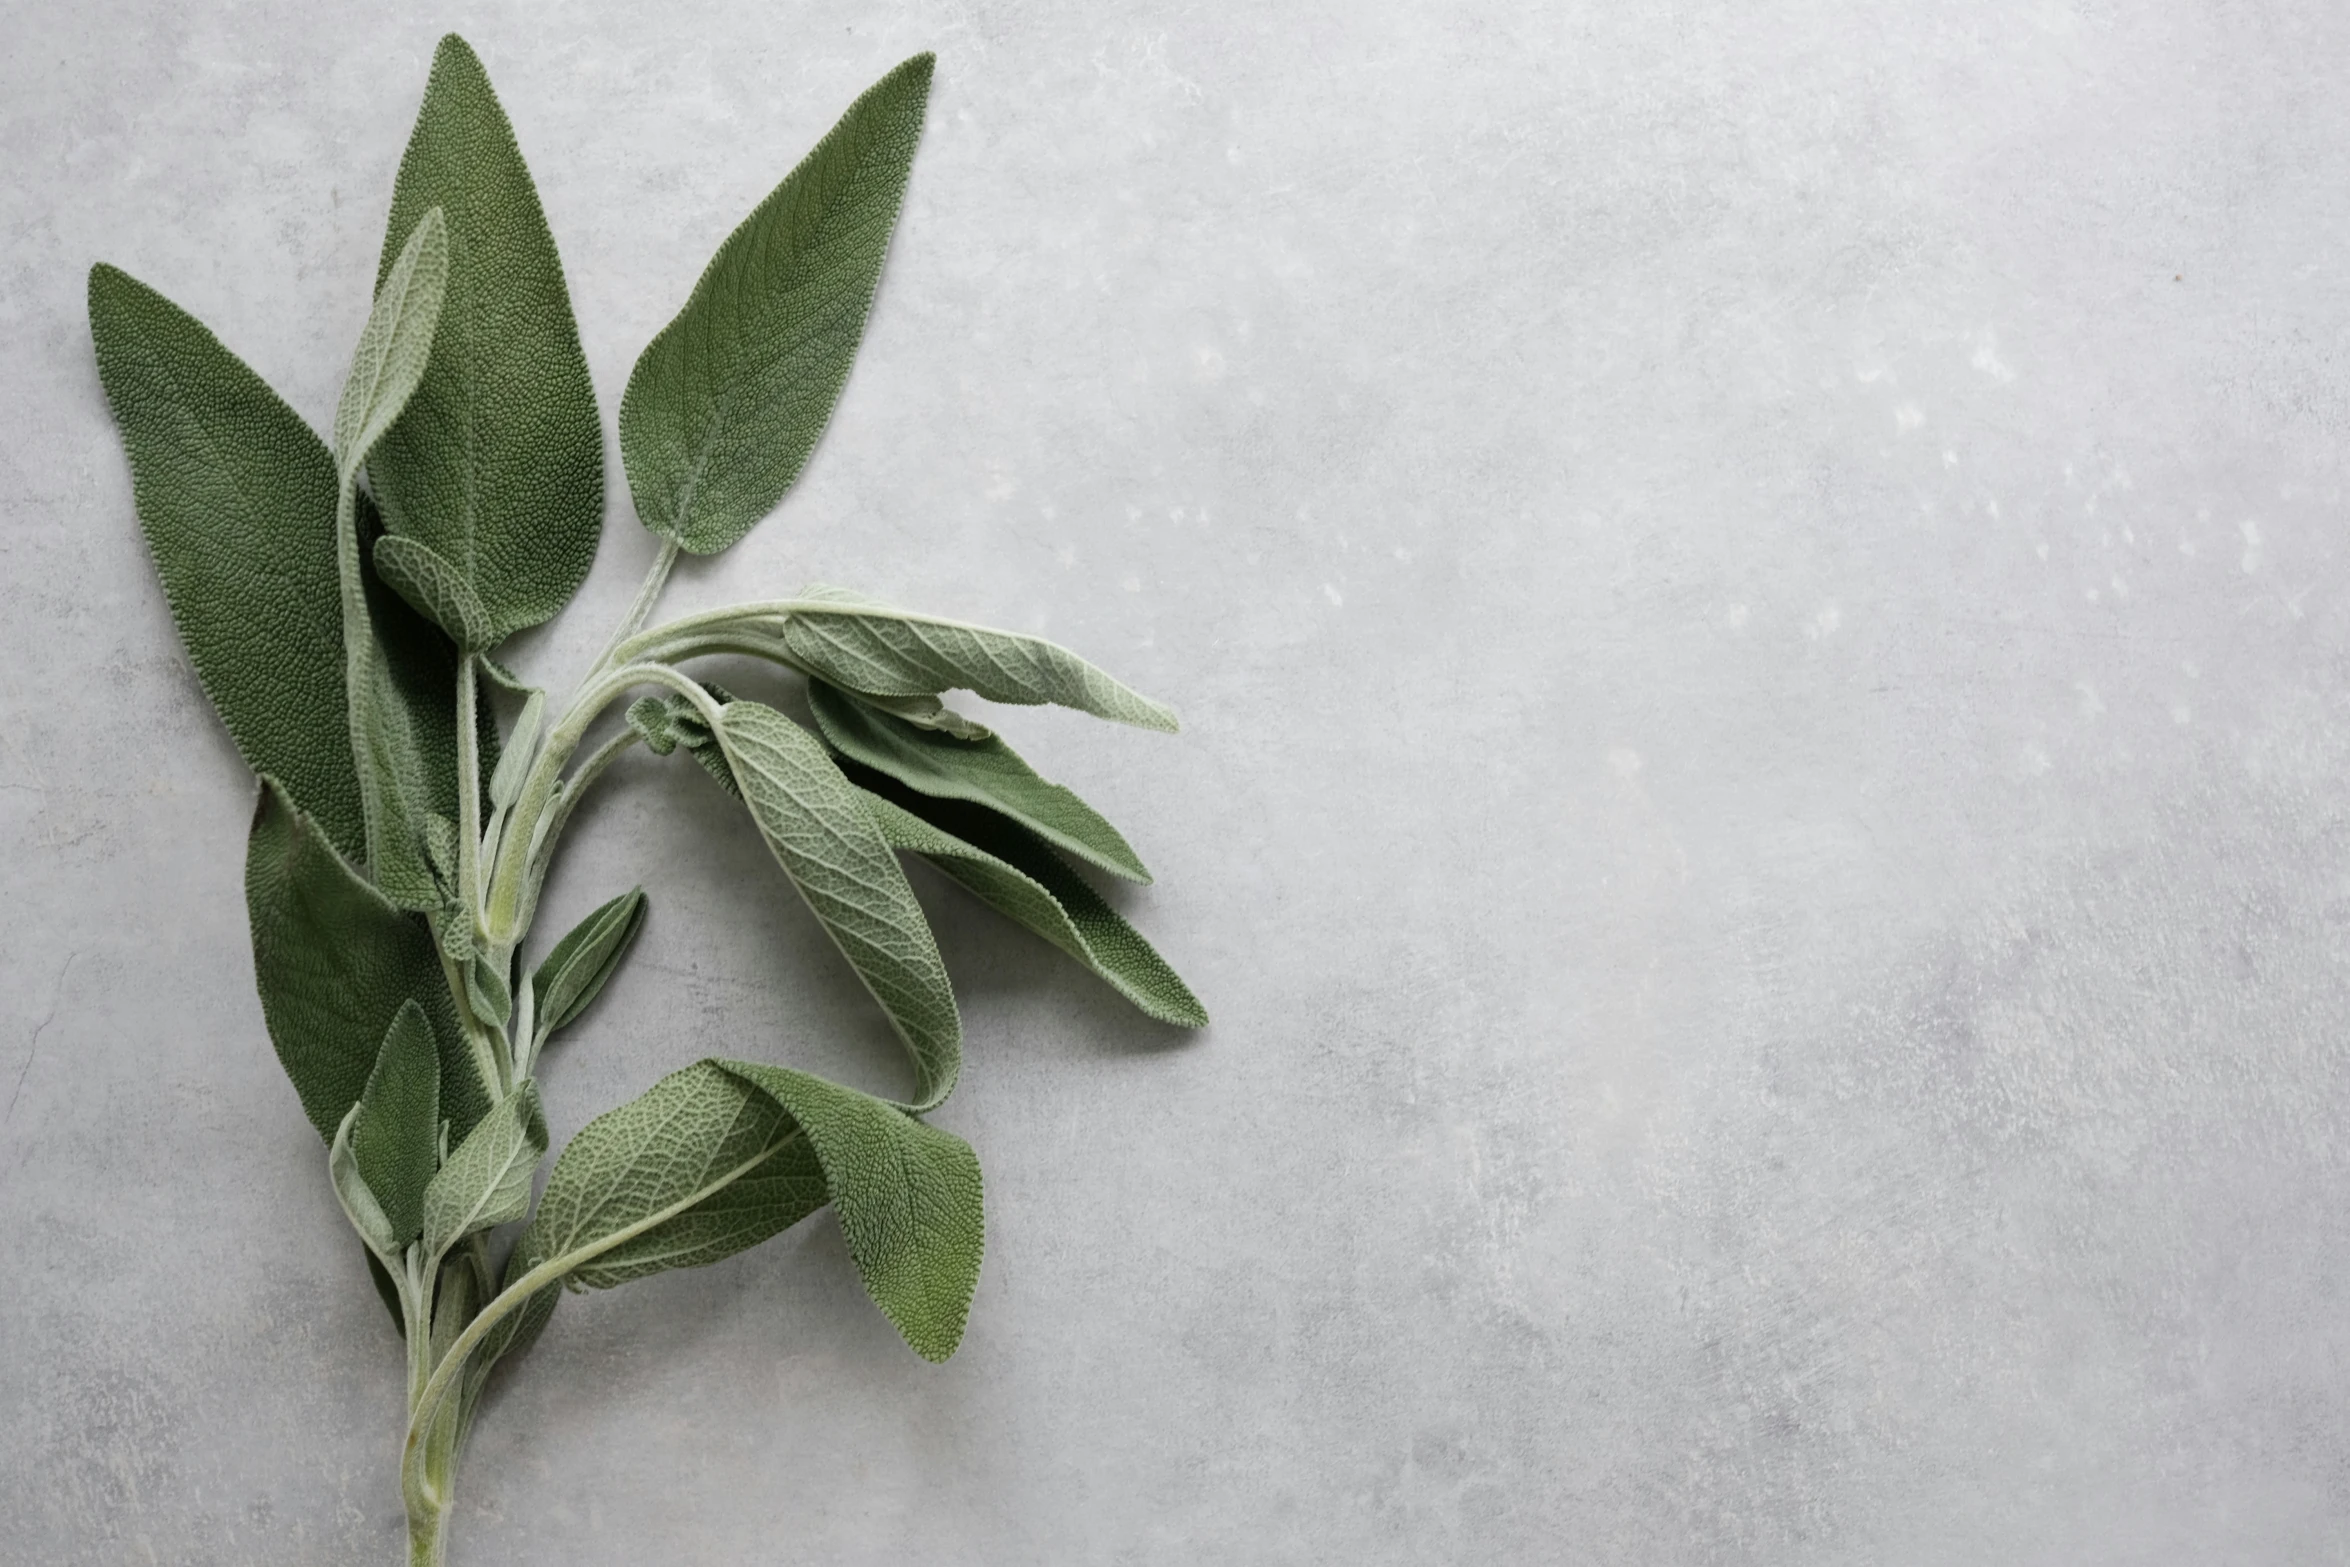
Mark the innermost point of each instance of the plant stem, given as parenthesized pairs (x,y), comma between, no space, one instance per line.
(469,790)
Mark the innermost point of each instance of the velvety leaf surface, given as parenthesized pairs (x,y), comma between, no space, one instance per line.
(864,646)
(828,844)
(487,1179)
(395,1137)
(334,962)
(497,464)
(236,496)
(908,1196)
(644,1164)
(585,958)
(985,772)
(1019,876)
(727,402)
(396,344)
(723,1154)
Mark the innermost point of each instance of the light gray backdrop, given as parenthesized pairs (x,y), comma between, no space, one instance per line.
(1760,602)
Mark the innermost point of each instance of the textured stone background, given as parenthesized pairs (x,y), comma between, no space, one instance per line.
(1761,602)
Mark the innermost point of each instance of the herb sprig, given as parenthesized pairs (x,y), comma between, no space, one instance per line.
(342,603)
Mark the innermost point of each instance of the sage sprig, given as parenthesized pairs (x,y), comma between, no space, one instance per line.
(342,603)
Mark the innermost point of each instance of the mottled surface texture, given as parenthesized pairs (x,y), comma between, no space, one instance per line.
(1761,605)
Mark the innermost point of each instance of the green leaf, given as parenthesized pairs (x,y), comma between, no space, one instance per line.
(725,405)
(1023,879)
(623,1198)
(396,1126)
(334,963)
(395,344)
(498,465)
(870,648)
(827,843)
(237,500)
(984,772)
(576,970)
(487,1180)
(367,1216)
(671,720)
(403,680)
(385,1289)
(521,750)
(723,1154)
(434,589)
(927,712)
(908,1196)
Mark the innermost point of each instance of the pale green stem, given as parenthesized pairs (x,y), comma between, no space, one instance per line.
(509,878)
(469,790)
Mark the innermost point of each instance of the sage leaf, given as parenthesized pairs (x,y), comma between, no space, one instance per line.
(385,1289)
(984,772)
(403,730)
(334,963)
(646,1163)
(395,1129)
(908,1196)
(395,345)
(488,989)
(723,1154)
(486,1181)
(522,749)
(1024,880)
(928,712)
(868,647)
(726,403)
(829,846)
(576,970)
(434,589)
(236,497)
(669,721)
(497,466)
(367,1216)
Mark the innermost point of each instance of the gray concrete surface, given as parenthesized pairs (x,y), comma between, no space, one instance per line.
(1761,599)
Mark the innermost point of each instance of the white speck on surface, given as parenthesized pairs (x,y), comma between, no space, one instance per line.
(1208,363)
(1330,592)
(1986,359)
(1403,554)
(1824,622)
(2041,549)
(1909,416)
(1736,617)
(2181,713)
(2090,704)
(2250,528)
(1066,555)
(2121,589)
(1131,584)
(1949,458)
(1624,762)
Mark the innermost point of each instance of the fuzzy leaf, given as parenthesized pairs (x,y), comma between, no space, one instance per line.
(396,1126)
(403,682)
(434,589)
(984,772)
(647,1164)
(237,500)
(575,971)
(335,963)
(827,843)
(867,647)
(727,402)
(723,1154)
(487,1180)
(908,1196)
(395,344)
(498,463)
(1023,879)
